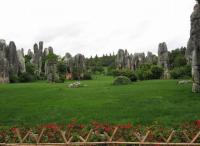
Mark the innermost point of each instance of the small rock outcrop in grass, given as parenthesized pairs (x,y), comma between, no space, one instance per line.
(121,80)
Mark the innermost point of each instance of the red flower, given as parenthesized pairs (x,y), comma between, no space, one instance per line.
(198,123)
(70,126)
(107,129)
(14,129)
(52,127)
(127,126)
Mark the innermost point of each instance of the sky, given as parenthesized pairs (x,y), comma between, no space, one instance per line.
(97,27)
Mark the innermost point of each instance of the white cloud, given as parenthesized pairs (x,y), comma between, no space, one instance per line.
(96,26)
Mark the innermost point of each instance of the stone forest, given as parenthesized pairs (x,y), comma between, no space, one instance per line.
(125,97)
(41,63)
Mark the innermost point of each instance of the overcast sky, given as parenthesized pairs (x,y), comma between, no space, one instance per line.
(96,26)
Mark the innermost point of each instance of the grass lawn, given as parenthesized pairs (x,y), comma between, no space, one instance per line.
(139,103)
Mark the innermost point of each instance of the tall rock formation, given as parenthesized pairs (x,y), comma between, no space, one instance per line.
(151,58)
(30,53)
(4,65)
(51,71)
(12,59)
(37,57)
(124,60)
(69,65)
(163,59)
(21,59)
(120,59)
(194,47)
(79,66)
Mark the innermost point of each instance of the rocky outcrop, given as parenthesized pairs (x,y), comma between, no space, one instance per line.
(4,65)
(37,57)
(151,58)
(120,59)
(30,53)
(124,60)
(51,71)
(189,50)
(12,59)
(139,59)
(50,50)
(68,60)
(20,55)
(79,66)
(163,59)
(194,47)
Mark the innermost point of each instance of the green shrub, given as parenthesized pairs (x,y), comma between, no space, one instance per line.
(30,68)
(14,79)
(133,77)
(181,72)
(121,80)
(87,76)
(127,73)
(149,72)
(61,78)
(97,69)
(26,77)
(157,72)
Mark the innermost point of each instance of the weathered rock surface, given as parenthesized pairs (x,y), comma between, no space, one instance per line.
(151,58)
(37,57)
(163,59)
(51,71)
(20,55)
(30,53)
(79,65)
(195,47)
(4,65)
(12,59)
(120,59)
(124,60)
(189,50)
(69,65)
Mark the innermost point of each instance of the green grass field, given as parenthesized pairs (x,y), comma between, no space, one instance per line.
(139,103)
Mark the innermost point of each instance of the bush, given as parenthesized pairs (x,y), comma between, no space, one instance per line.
(133,77)
(30,68)
(61,79)
(157,72)
(127,73)
(14,79)
(26,77)
(87,76)
(122,80)
(181,72)
(149,72)
(97,69)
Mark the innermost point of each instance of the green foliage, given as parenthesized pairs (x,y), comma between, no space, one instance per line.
(128,73)
(87,76)
(14,78)
(97,69)
(30,68)
(177,58)
(149,72)
(121,80)
(26,77)
(181,72)
(62,68)
(27,58)
(51,57)
(156,72)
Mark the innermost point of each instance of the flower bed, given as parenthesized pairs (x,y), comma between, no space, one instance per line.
(97,132)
